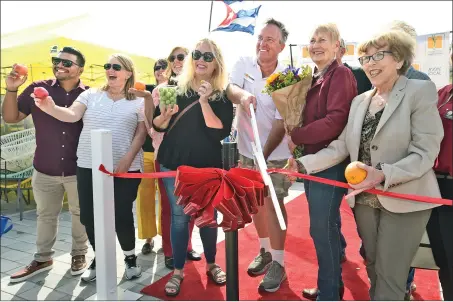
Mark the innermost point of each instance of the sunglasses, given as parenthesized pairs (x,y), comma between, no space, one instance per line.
(66,63)
(116,67)
(376,57)
(207,56)
(157,68)
(180,57)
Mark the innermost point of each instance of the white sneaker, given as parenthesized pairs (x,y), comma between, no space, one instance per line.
(132,269)
(90,274)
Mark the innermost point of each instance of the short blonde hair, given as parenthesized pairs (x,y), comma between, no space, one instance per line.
(331,29)
(128,65)
(219,77)
(401,44)
(401,25)
(168,71)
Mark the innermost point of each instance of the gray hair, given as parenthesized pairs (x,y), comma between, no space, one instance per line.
(284,32)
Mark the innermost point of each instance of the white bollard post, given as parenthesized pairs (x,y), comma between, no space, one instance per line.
(104,213)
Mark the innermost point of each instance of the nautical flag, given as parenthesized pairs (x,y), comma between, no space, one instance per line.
(239,19)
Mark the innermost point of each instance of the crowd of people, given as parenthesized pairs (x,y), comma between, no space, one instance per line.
(385,114)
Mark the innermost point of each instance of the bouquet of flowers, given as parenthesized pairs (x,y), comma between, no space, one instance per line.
(288,90)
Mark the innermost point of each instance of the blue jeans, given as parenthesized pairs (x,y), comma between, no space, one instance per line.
(410,278)
(179,229)
(324,207)
(342,239)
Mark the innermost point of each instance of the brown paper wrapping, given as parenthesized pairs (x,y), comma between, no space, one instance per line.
(290,103)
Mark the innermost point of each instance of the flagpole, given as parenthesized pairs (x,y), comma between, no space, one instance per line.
(210,16)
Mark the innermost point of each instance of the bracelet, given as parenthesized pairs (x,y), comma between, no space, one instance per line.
(11,90)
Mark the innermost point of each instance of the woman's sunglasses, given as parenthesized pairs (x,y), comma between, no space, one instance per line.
(158,67)
(66,63)
(207,56)
(180,57)
(116,67)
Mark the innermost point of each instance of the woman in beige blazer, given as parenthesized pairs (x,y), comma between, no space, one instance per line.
(395,130)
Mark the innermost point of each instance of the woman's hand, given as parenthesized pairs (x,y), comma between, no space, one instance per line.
(140,93)
(47,104)
(291,166)
(167,111)
(204,91)
(373,178)
(124,164)
(292,146)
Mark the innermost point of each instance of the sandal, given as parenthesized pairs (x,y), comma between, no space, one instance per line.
(175,284)
(216,274)
(169,263)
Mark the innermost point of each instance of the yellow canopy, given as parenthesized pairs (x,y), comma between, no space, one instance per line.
(32,47)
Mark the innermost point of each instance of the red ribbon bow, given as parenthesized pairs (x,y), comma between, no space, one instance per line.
(236,194)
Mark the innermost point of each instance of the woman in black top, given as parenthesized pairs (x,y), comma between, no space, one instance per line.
(195,140)
(146,201)
(175,61)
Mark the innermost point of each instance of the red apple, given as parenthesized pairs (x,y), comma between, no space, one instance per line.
(21,70)
(40,93)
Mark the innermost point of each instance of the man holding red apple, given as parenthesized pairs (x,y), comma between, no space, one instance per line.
(55,156)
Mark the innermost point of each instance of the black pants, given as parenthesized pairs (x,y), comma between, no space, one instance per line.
(125,192)
(440,232)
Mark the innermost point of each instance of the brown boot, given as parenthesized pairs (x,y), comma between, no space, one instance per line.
(78,265)
(30,270)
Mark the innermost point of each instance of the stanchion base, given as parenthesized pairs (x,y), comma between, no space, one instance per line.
(123,295)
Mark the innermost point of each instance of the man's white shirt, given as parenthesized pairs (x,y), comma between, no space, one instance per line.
(247,74)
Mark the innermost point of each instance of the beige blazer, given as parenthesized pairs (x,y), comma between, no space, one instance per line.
(406,142)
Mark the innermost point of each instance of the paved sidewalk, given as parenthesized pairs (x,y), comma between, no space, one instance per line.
(18,246)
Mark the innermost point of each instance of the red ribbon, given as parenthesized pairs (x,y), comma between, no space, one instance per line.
(236,193)
(335,183)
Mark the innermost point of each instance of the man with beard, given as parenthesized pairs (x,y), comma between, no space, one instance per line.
(247,81)
(55,159)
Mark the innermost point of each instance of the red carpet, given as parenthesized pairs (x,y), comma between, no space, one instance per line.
(300,262)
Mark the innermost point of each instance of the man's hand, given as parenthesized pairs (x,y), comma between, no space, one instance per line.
(14,81)
(246,101)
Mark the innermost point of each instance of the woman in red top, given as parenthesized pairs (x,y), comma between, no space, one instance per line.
(440,225)
(324,118)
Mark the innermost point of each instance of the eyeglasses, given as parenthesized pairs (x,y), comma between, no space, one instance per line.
(207,56)
(158,67)
(180,57)
(66,63)
(116,67)
(376,57)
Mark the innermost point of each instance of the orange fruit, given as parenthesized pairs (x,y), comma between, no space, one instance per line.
(140,86)
(354,175)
